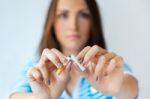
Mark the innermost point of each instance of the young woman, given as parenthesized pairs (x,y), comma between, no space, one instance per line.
(74,27)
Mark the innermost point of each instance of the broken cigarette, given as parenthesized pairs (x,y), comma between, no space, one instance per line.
(77,62)
(74,59)
(60,70)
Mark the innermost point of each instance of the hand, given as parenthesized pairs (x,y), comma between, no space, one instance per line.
(104,70)
(45,83)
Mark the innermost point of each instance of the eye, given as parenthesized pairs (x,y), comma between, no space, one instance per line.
(84,15)
(62,16)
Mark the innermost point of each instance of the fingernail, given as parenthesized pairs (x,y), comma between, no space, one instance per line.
(113,61)
(65,62)
(71,62)
(105,74)
(97,78)
(59,65)
(85,64)
(102,58)
(78,58)
(48,82)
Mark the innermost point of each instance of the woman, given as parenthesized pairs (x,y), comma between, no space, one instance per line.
(73,27)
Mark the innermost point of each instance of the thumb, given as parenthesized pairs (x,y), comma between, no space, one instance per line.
(35,78)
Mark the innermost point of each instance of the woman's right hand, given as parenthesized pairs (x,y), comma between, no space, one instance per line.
(44,81)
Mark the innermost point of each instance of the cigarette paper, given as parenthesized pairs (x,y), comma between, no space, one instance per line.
(74,59)
(77,62)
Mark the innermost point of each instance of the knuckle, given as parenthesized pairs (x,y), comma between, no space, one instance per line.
(121,61)
(31,70)
(53,49)
(113,60)
(41,67)
(87,57)
(38,76)
(121,58)
(96,47)
(55,59)
(45,51)
(103,57)
(113,54)
(40,64)
(87,47)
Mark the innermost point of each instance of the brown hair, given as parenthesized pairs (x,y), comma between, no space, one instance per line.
(48,39)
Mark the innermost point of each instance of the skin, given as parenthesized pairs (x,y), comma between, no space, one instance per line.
(72,25)
(104,70)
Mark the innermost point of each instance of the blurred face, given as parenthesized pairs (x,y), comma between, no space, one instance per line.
(72,24)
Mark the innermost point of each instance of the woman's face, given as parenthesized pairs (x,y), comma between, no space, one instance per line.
(72,24)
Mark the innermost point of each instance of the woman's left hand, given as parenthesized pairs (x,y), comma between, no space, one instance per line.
(104,70)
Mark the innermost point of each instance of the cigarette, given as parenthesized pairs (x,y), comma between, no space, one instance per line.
(74,59)
(77,62)
(60,70)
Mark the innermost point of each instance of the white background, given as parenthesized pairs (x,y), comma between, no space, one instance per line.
(126,26)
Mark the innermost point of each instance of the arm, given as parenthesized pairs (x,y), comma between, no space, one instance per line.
(129,89)
(107,75)
(44,82)
(19,95)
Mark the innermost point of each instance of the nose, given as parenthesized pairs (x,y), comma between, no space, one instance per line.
(73,23)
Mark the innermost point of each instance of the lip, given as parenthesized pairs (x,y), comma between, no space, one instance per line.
(73,37)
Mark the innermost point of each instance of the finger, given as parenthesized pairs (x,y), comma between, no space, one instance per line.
(65,69)
(68,67)
(62,58)
(91,67)
(51,67)
(114,63)
(111,66)
(99,67)
(34,75)
(45,73)
(81,55)
(76,66)
(107,57)
(43,67)
(120,62)
(50,55)
(95,50)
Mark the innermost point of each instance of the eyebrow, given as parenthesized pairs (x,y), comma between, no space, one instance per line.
(66,10)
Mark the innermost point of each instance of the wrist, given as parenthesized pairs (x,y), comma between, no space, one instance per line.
(33,96)
(129,89)
(54,97)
